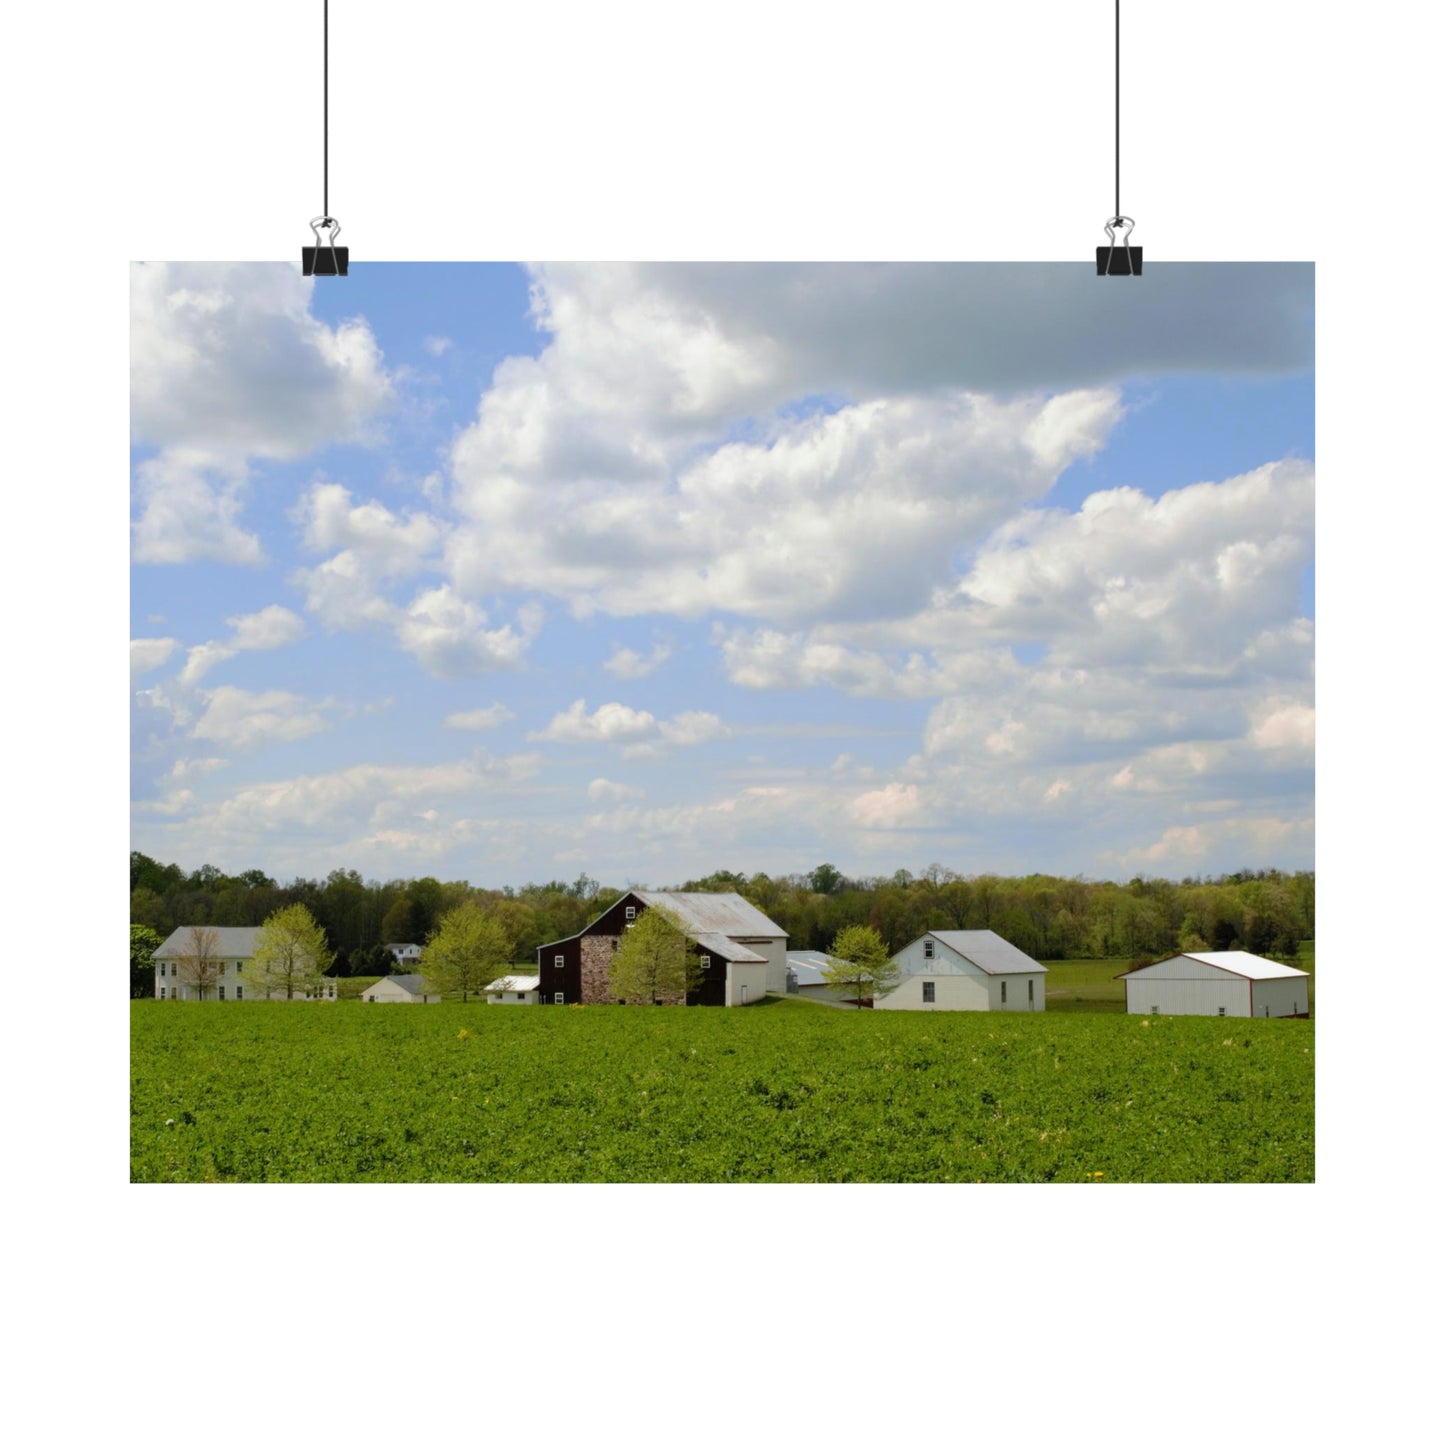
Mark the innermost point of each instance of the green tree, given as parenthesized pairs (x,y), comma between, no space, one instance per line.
(860,965)
(291,955)
(143,943)
(825,878)
(469,949)
(655,963)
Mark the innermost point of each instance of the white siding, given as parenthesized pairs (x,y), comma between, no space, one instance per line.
(385,991)
(753,976)
(950,991)
(1281,997)
(510,996)
(1188,995)
(775,950)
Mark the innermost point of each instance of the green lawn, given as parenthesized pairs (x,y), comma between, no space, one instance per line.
(1085,985)
(779,1091)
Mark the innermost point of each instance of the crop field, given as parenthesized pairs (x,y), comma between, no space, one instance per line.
(783,1090)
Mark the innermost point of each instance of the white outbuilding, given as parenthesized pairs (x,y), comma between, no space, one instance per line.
(400,988)
(805,974)
(1229,985)
(966,968)
(514,988)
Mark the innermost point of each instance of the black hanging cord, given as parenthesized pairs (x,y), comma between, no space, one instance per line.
(326,106)
(325,258)
(1118,258)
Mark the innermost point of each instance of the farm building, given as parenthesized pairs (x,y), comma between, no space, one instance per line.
(742,951)
(206,962)
(400,988)
(805,974)
(966,969)
(514,988)
(1231,985)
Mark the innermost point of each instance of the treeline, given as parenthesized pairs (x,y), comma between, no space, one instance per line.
(1266,912)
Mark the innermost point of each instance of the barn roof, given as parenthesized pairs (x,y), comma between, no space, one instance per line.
(983,948)
(514,983)
(724,947)
(230,942)
(808,964)
(411,982)
(727,913)
(1246,965)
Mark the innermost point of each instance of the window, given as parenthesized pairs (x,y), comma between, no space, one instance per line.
(928,948)
(630,913)
(1003,991)
(559,960)
(556,998)
(1221,1011)
(927,993)
(173,991)
(1031,990)
(706,961)
(221,993)
(238,990)
(521,998)
(1154,1008)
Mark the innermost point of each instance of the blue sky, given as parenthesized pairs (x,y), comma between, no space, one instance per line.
(505,574)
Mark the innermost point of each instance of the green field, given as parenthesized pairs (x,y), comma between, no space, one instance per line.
(779,1091)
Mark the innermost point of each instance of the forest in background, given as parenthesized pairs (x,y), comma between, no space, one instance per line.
(1264,911)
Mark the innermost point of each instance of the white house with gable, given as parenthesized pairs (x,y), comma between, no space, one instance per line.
(202,961)
(969,968)
(1228,985)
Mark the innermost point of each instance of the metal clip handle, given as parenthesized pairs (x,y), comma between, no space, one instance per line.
(1113,224)
(318,223)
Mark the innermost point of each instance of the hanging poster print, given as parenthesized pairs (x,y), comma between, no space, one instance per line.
(916,597)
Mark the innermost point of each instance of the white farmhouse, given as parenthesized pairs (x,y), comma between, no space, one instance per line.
(405,953)
(1229,985)
(514,988)
(207,962)
(966,969)
(400,988)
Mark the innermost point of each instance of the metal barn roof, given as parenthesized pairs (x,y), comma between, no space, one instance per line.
(1250,965)
(808,964)
(983,948)
(724,947)
(411,982)
(514,983)
(727,913)
(230,942)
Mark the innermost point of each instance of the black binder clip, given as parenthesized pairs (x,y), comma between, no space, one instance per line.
(328,259)
(1118,259)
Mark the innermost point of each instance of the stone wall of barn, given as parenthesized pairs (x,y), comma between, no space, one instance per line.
(597,951)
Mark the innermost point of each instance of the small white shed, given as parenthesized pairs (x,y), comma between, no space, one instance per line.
(400,988)
(966,968)
(1229,985)
(514,988)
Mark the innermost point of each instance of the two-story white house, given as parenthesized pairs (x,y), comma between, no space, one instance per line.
(206,962)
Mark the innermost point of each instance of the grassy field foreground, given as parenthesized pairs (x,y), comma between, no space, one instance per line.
(780,1091)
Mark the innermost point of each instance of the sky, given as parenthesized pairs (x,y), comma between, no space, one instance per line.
(507,573)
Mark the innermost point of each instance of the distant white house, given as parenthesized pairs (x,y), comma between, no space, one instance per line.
(805,973)
(400,988)
(207,962)
(1228,985)
(514,988)
(970,968)
(405,953)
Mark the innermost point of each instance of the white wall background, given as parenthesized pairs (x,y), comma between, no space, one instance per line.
(1256,129)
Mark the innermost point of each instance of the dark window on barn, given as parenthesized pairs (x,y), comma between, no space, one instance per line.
(1031,990)
(629,913)
(927,993)
(928,948)
(1003,991)
(556,998)
(706,961)
(1221,1011)
(557,962)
